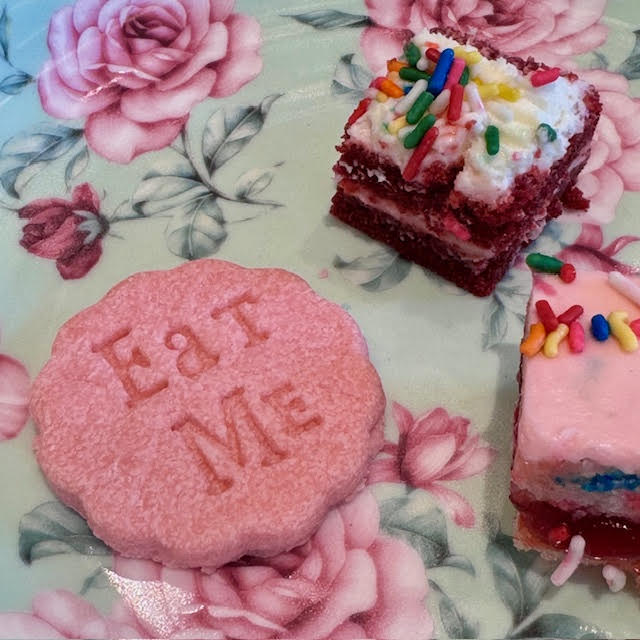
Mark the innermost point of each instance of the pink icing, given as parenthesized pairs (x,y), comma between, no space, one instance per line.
(581,406)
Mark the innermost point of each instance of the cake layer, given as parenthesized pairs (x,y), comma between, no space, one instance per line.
(609,539)
(586,487)
(476,276)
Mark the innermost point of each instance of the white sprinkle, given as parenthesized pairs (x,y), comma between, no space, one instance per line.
(440,103)
(616,578)
(501,111)
(625,286)
(473,98)
(570,563)
(422,64)
(404,104)
(402,134)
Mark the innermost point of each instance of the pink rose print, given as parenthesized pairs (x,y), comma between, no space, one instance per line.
(14,397)
(136,68)
(69,232)
(61,614)
(434,448)
(587,251)
(348,581)
(549,31)
(615,151)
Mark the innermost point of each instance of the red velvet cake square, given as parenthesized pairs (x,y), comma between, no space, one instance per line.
(459,157)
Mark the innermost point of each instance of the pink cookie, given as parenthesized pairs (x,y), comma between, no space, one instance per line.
(207,412)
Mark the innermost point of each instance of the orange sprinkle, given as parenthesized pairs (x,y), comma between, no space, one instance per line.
(433,45)
(391,88)
(534,341)
(394,76)
(395,65)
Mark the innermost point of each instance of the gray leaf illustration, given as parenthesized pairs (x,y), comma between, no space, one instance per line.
(349,77)
(327,19)
(600,61)
(459,562)
(630,68)
(4,34)
(197,229)
(425,532)
(560,625)
(253,182)
(99,579)
(26,154)
(377,271)
(521,577)
(15,83)
(51,528)
(230,129)
(455,623)
(162,194)
(495,324)
(76,166)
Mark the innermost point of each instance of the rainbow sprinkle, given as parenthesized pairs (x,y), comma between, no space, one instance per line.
(427,84)
(492,138)
(413,138)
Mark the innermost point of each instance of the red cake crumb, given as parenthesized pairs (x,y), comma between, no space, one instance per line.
(573,198)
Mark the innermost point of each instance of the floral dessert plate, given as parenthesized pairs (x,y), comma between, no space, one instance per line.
(137,134)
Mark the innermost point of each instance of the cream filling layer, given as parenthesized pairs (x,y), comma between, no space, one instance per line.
(464,248)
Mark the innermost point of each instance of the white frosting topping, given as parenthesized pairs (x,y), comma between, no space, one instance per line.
(483,177)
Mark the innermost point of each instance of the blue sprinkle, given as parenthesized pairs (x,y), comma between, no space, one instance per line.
(600,327)
(407,89)
(631,482)
(560,481)
(603,482)
(440,73)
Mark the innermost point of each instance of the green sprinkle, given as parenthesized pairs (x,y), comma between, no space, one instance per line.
(546,133)
(412,54)
(411,74)
(412,139)
(540,262)
(492,138)
(464,78)
(419,107)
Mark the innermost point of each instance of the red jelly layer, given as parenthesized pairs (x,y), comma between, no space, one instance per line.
(605,536)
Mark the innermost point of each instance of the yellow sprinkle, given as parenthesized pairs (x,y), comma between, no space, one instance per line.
(459,52)
(381,97)
(473,57)
(488,91)
(554,338)
(470,57)
(618,322)
(395,125)
(509,93)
